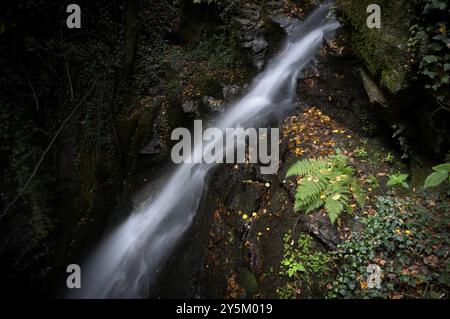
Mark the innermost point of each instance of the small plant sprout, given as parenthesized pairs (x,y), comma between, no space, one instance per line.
(389,158)
(361,153)
(396,180)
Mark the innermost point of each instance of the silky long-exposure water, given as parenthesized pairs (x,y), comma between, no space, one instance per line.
(125,264)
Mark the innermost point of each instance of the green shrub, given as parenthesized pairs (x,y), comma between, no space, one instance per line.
(302,261)
(397,238)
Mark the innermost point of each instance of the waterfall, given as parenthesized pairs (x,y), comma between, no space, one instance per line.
(126,263)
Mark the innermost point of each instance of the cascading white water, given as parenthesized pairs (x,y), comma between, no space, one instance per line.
(126,263)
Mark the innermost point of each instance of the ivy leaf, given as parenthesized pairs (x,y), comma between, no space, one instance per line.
(421,35)
(429,73)
(430,58)
(439,37)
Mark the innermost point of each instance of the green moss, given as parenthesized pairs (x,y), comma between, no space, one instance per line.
(218,46)
(209,85)
(392,79)
(384,51)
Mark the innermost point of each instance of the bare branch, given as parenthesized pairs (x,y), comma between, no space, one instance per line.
(70,81)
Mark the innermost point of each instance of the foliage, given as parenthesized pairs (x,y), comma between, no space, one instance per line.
(209,85)
(441,173)
(430,42)
(219,47)
(397,238)
(299,259)
(402,141)
(389,158)
(398,180)
(292,266)
(326,182)
(372,181)
(302,262)
(46,72)
(287,292)
(361,153)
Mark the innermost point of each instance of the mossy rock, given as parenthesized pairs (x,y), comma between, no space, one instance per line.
(384,51)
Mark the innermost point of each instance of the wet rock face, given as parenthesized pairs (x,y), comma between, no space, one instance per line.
(250,33)
(386,58)
(231,92)
(190,107)
(208,105)
(288,24)
(153,148)
(385,53)
(212,105)
(255,24)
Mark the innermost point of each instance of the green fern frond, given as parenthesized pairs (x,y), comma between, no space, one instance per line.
(358,194)
(326,182)
(334,209)
(309,188)
(315,204)
(307,167)
(298,206)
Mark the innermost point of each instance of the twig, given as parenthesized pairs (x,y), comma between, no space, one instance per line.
(32,89)
(426,289)
(70,81)
(26,74)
